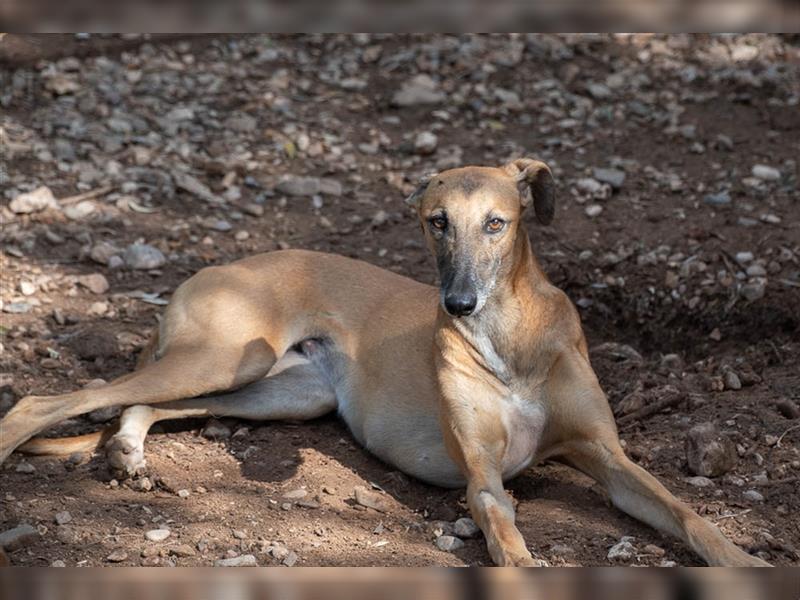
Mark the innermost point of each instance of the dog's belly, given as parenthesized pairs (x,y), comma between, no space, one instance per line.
(524,421)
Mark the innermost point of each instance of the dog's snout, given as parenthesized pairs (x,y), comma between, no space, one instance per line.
(460,304)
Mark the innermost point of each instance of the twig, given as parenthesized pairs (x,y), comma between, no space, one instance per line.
(734,515)
(651,409)
(101,191)
(778,443)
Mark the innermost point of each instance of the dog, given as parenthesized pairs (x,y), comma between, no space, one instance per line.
(468,384)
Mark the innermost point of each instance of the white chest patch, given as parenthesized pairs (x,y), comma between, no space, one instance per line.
(524,421)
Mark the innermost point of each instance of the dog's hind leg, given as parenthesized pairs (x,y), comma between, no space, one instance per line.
(185,371)
(294,390)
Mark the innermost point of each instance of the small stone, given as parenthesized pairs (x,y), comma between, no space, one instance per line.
(25,467)
(708,452)
(595,189)
(668,564)
(80,211)
(27,288)
(622,550)
(143,257)
(241,236)
(466,528)
(35,201)
(157,535)
(296,494)
(449,543)
(370,499)
(293,185)
(182,550)
(654,550)
(719,199)
(291,559)
(699,481)
(425,143)
(95,283)
(216,430)
(63,517)
(754,290)
(593,210)
(17,307)
(220,225)
(117,556)
(418,90)
(613,177)
(766,173)
(672,362)
(756,271)
(18,537)
(731,380)
(599,91)
(183,493)
(102,252)
(744,257)
(58,564)
(245,560)
(753,496)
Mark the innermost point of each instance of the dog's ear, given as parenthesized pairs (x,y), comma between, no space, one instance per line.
(535,176)
(414,198)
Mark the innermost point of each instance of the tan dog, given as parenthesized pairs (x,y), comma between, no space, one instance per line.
(470,384)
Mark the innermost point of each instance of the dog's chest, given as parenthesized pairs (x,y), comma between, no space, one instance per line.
(524,421)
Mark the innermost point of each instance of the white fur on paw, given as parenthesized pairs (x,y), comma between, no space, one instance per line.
(125,453)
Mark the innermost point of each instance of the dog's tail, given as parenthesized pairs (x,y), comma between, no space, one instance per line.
(89,442)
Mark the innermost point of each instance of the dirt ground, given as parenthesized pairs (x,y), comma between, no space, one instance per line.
(686,274)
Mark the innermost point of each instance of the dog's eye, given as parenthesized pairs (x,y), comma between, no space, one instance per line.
(439,223)
(495,225)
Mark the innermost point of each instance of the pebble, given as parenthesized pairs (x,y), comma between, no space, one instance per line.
(756,271)
(157,535)
(753,496)
(418,90)
(63,517)
(182,550)
(370,499)
(80,211)
(708,452)
(766,173)
(245,560)
(597,190)
(425,143)
(719,199)
(754,289)
(466,528)
(293,185)
(35,201)
(593,210)
(95,283)
(18,537)
(744,257)
(699,481)
(58,564)
(449,543)
(102,252)
(613,177)
(117,556)
(731,380)
(25,467)
(143,257)
(622,550)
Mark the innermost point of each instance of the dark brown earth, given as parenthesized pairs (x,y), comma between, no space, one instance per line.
(657,270)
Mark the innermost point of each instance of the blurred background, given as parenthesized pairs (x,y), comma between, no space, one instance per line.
(132,161)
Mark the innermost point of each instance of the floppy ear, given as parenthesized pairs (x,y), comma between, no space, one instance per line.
(535,176)
(413,199)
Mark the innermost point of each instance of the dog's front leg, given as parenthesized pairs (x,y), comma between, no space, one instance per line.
(476,440)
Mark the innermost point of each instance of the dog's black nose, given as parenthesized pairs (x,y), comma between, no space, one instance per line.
(460,305)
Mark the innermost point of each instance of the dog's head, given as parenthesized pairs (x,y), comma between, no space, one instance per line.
(471,218)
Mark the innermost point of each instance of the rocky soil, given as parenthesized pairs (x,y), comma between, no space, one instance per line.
(129,164)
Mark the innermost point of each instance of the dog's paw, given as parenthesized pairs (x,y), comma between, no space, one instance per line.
(125,453)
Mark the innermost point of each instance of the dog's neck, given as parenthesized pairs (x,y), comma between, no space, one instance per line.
(508,317)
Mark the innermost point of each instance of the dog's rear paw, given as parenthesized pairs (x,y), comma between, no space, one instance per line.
(125,453)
